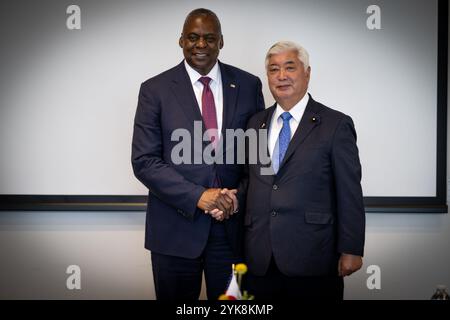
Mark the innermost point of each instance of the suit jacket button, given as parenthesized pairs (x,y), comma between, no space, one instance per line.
(274,187)
(274,213)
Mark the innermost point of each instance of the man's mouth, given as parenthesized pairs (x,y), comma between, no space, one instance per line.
(200,55)
(283,87)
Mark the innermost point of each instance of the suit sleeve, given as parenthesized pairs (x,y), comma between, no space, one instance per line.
(158,176)
(349,197)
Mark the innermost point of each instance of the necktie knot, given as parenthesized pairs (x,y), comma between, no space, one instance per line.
(286,116)
(205,81)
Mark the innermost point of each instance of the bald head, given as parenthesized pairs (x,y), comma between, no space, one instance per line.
(202,13)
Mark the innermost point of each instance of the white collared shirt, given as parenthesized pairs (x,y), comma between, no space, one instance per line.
(276,122)
(216,87)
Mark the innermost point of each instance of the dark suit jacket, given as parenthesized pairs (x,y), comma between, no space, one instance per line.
(174,224)
(312,210)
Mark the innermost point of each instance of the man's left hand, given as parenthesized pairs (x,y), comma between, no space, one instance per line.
(349,263)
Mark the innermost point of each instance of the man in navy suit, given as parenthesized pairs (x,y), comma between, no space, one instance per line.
(305,221)
(185,240)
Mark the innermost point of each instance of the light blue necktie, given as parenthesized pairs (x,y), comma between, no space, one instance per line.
(283,140)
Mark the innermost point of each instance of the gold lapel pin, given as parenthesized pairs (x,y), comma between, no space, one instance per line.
(233,85)
(263,125)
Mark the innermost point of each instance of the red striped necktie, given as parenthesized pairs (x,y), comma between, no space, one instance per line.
(209,110)
(210,118)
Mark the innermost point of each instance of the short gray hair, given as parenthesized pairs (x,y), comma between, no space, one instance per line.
(283,46)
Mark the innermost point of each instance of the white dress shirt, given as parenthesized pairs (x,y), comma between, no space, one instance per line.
(216,87)
(276,122)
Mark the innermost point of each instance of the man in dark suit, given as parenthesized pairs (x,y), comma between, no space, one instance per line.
(185,240)
(305,222)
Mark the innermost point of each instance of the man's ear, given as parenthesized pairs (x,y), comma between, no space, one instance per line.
(308,72)
(180,42)
(221,42)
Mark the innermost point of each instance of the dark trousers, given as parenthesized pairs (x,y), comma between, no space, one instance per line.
(180,279)
(275,286)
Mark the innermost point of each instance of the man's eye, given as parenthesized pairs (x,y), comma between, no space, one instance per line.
(210,39)
(193,38)
(273,69)
(290,68)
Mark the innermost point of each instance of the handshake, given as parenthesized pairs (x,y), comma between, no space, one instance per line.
(219,203)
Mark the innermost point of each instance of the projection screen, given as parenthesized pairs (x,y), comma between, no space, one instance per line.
(68,95)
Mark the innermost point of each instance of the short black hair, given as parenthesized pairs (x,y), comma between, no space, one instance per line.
(204,13)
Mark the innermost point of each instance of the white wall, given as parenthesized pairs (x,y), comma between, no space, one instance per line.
(36,248)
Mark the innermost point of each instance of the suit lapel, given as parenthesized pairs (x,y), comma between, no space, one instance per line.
(265,124)
(309,121)
(184,93)
(230,89)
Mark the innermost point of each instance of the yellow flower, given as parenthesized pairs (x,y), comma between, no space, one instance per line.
(223,297)
(241,268)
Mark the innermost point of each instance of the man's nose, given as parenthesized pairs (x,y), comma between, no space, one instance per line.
(282,74)
(201,43)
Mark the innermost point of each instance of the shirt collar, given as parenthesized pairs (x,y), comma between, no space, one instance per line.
(296,111)
(214,73)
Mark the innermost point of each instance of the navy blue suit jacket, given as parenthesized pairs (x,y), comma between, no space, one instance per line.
(174,224)
(312,209)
